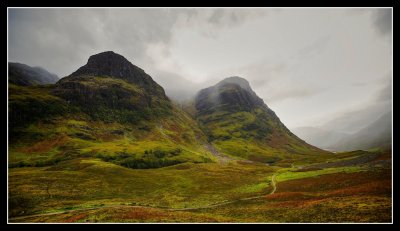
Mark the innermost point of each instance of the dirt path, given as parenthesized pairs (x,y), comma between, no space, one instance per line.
(273,184)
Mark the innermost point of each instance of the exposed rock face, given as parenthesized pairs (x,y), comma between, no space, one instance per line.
(116,66)
(110,87)
(24,75)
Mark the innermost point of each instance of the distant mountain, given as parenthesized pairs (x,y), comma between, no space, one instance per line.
(377,134)
(336,134)
(22,74)
(319,137)
(239,123)
(353,121)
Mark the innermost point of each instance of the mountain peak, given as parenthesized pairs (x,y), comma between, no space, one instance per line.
(236,80)
(108,58)
(109,63)
(239,81)
(112,65)
(233,94)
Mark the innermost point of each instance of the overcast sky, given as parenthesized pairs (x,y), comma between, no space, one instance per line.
(309,65)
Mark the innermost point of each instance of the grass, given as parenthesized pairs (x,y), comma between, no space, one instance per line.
(151,170)
(343,196)
(256,135)
(290,175)
(76,135)
(80,181)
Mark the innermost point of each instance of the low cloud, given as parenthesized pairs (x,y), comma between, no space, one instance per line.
(382,20)
(385,93)
(290,58)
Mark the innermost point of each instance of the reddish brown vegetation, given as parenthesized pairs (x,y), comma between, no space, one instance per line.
(45,145)
(142,214)
(76,218)
(298,203)
(380,181)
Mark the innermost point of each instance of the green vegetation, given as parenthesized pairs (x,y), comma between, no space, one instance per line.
(91,190)
(82,182)
(31,104)
(290,175)
(255,136)
(103,149)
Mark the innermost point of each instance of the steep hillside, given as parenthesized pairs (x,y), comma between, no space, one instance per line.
(22,74)
(107,109)
(239,123)
(110,88)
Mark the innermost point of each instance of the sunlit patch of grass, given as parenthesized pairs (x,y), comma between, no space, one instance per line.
(289,175)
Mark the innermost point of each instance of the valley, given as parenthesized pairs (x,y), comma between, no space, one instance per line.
(236,192)
(106,144)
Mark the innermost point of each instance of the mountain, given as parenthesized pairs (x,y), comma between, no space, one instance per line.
(319,137)
(353,121)
(335,135)
(239,123)
(22,74)
(377,134)
(111,88)
(108,109)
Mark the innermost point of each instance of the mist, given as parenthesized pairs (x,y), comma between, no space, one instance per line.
(313,66)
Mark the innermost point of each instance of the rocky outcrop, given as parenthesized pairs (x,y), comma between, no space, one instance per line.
(116,66)
(231,94)
(109,87)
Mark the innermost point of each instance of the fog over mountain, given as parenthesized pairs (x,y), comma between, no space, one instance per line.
(358,129)
(308,75)
(25,75)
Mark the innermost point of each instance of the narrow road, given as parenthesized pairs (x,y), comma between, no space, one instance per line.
(273,184)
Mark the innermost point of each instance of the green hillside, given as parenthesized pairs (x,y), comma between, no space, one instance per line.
(106,117)
(105,144)
(238,123)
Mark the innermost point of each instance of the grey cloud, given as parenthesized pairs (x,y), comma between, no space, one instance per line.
(269,49)
(216,16)
(292,93)
(382,19)
(209,22)
(351,121)
(314,48)
(61,40)
(176,87)
(385,93)
(274,82)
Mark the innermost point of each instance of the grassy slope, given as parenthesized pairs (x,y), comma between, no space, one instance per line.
(87,182)
(95,191)
(69,133)
(59,163)
(250,135)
